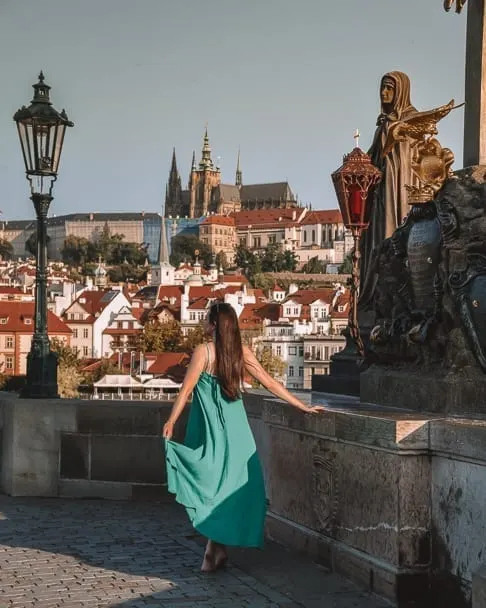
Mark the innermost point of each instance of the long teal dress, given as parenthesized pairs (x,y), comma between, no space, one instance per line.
(216,473)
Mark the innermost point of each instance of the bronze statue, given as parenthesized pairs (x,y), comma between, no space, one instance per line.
(389,204)
(459,5)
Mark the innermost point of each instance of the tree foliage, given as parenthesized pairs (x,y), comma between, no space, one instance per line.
(315,266)
(221,260)
(272,364)
(347,266)
(6,249)
(161,337)
(168,337)
(183,247)
(124,257)
(68,374)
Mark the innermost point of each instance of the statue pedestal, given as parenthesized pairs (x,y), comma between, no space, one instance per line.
(345,370)
(424,391)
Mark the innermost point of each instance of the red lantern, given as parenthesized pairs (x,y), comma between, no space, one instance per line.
(352,182)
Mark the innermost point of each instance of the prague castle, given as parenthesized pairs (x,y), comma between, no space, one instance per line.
(207,194)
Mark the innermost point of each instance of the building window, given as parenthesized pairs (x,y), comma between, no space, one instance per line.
(272,238)
(9,342)
(305,236)
(292,350)
(9,363)
(85,332)
(301,351)
(243,241)
(3,320)
(278,350)
(313,236)
(85,351)
(296,311)
(192,316)
(288,311)
(291,370)
(257,242)
(75,332)
(301,372)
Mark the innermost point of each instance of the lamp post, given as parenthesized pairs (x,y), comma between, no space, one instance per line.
(41,131)
(352,182)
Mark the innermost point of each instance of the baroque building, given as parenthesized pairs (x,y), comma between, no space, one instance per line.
(207,194)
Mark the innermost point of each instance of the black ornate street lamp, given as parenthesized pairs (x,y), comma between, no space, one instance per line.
(41,131)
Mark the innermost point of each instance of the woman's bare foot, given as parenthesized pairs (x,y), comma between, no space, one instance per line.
(220,556)
(208,563)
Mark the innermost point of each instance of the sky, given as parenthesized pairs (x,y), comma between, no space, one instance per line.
(286,82)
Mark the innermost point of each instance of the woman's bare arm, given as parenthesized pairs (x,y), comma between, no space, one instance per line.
(254,368)
(194,370)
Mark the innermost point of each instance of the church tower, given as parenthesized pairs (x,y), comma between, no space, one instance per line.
(239,173)
(173,191)
(202,181)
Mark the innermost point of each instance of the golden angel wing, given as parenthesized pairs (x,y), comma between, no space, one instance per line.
(417,126)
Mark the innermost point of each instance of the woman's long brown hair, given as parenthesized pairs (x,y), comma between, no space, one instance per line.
(229,367)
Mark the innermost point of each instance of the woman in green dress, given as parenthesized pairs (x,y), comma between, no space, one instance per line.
(216,473)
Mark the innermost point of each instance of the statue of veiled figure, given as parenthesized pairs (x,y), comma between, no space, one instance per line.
(459,5)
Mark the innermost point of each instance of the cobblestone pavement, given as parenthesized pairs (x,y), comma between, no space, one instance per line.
(70,554)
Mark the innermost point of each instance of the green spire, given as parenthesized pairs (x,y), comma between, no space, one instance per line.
(206,160)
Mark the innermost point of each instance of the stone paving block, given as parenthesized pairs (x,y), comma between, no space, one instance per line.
(58,553)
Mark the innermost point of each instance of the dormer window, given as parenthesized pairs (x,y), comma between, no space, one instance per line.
(28,321)
(4,320)
(340,308)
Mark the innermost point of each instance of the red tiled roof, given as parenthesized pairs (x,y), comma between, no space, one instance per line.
(17,312)
(169,365)
(166,292)
(122,332)
(219,220)
(234,278)
(10,290)
(200,291)
(92,301)
(252,315)
(323,216)
(263,217)
(199,304)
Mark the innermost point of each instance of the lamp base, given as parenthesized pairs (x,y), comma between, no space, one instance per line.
(345,369)
(41,379)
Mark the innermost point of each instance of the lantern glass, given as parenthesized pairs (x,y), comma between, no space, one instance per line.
(356,205)
(41,141)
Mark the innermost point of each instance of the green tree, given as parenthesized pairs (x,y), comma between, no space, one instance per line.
(194,337)
(221,260)
(6,249)
(248,261)
(78,251)
(106,367)
(262,281)
(272,364)
(275,259)
(31,243)
(161,337)
(314,266)
(68,374)
(126,273)
(347,266)
(183,247)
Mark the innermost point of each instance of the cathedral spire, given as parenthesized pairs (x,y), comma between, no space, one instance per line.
(239,174)
(173,168)
(194,166)
(206,160)
(164,246)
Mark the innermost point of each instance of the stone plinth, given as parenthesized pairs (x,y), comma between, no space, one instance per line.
(31,443)
(423,391)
